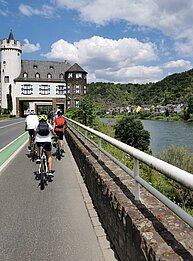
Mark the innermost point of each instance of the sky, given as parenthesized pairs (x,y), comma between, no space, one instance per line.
(128,41)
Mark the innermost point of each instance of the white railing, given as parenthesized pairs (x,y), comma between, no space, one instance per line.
(183,177)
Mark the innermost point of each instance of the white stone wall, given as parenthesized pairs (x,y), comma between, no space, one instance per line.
(35,92)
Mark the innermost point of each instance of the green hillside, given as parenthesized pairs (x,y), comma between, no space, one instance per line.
(173,89)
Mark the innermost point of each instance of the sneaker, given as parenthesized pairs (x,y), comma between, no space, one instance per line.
(29,148)
(62,153)
(38,161)
(50,174)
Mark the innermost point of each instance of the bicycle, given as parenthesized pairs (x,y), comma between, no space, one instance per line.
(57,146)
(43,168)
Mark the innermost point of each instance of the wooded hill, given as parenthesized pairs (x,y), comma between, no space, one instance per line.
(173,89)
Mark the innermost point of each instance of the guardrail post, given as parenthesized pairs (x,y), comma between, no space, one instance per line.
(136,174)
(99,148)
(85,140)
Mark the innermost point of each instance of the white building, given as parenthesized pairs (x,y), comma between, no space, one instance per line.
(39,83)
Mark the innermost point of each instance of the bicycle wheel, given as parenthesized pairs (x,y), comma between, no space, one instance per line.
(33,152)
(58,151)
(42,175)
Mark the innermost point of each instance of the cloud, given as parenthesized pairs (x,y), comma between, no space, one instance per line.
(29,48)
(133,74)
(62,50)
(113,60)
(44,10)
(186,65)
(126,59)
(3,8)
(173,18)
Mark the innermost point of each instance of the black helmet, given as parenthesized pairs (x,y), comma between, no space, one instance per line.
(59,113)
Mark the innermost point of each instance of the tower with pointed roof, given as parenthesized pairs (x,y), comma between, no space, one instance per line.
(76,85)
(10,66)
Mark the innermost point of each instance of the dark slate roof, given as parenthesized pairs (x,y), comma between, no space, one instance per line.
(11,37)
(31,67)
(76,68)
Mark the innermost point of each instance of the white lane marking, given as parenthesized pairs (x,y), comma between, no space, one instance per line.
(2,167)
(12,141)
(10,124)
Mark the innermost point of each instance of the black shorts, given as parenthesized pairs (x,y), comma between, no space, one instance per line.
(31,132)
(60,134)
(47,145)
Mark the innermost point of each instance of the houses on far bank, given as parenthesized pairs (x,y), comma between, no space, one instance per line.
(171,108)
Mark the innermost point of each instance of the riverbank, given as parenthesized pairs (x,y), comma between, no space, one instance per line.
(145,116)
(163,133)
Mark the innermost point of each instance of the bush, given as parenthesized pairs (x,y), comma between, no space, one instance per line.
(131,131)
(181,158)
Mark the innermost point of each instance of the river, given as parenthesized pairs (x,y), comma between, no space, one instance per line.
(166,133)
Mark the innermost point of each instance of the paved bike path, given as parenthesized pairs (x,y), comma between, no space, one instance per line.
(50,224)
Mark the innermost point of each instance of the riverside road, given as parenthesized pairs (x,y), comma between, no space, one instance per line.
(50,224)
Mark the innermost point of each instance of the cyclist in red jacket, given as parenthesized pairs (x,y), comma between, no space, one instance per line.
(59,128)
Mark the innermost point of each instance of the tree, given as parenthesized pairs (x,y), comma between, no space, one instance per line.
(167,112)
(86,112)
(131,131)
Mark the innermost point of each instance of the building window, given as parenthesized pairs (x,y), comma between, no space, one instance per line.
(68,104)
(76,103)
(51,67)
(6,79)
(69,75)
(68,88)
(27,89)
(61,76)
(35,66)
(60,89)
(84,89)
(25,75)
(49,76)
(44,89)
(37,75)
(77,88)
(78,75)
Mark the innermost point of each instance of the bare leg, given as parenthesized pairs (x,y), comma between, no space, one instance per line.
(49,156)
(37,151)
(62,144)
(30,141)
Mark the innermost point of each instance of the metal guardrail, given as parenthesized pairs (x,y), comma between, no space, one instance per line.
(183,177)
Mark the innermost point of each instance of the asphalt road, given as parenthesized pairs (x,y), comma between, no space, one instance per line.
(10,130)
(49,224)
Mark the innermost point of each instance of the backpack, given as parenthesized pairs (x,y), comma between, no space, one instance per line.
(43,128)
(60,121)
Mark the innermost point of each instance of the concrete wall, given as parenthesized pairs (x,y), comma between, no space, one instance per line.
(144,230)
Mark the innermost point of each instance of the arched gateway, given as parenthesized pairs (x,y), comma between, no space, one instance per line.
(47,84)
